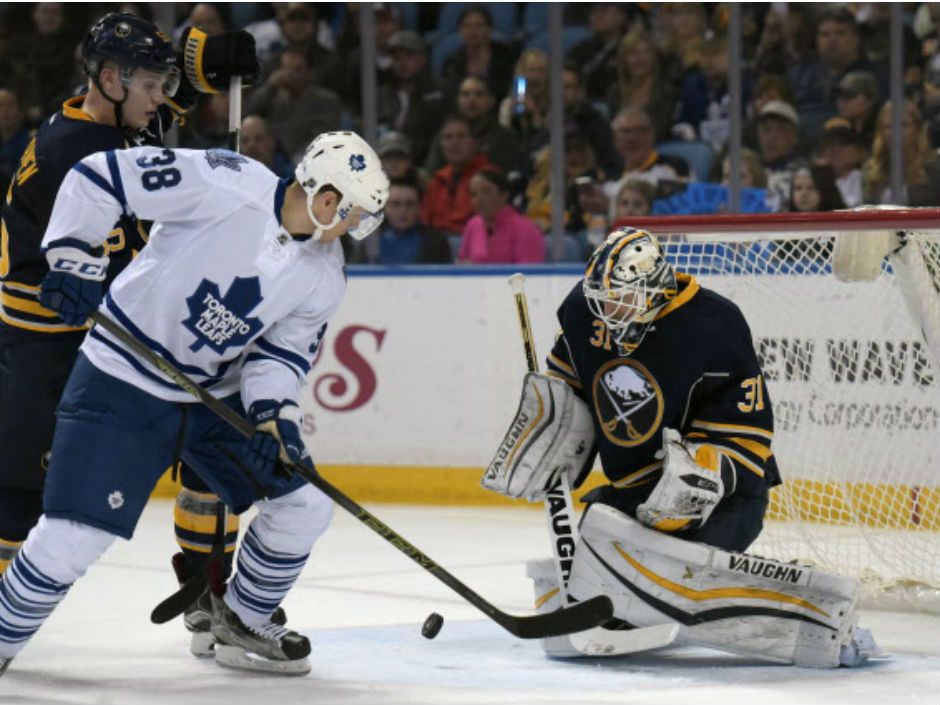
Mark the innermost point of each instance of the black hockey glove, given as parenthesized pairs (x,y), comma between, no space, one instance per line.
(276,437)
(209,61)
(73,288)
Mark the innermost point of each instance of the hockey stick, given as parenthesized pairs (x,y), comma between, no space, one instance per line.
(576,618)
(193,587)
(564,533)
(558,506)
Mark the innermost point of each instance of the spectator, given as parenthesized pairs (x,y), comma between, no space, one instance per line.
(582,118)
(257,142)
(769,86)
(683,26)
(787,39)
(410,101)
(502,147)
(633,139)
(14,136)
(843,150)
(403,239)
(642,83)
(295,107)
(858,98)
(497,234)
(634,198)
(581,170)
(597,55)
(777,137)
(394,149)
(921,163)
(205,16)
(293,23)
(387,23)
(705,103)
(814,189)
(46,55)
(479,56)
(838,51)
(206,124)
(753,174)
(525,113)
(446,206)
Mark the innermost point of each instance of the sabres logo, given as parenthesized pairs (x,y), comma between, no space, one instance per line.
(628,402)
(357,162)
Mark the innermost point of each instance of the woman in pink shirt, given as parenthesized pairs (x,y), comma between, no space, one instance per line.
(498,234)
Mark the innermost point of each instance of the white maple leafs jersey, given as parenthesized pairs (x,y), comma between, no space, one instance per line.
(221,290)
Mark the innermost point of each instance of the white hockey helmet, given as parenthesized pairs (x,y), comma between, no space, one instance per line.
(627,282)
(346,162)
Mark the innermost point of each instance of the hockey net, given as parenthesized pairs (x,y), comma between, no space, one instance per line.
(844,309)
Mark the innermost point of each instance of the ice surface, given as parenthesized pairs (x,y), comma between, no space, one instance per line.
(362,603)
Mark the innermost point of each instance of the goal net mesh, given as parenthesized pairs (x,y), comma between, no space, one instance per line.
(846,322)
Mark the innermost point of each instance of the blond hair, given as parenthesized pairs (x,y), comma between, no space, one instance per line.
(876,171)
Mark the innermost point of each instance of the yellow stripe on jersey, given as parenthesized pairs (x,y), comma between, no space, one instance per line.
(634,478)
(13,302)
(202,523)
(758,449)
(563,366)
(564,378)
(730,427)
(37,327)
(734,455)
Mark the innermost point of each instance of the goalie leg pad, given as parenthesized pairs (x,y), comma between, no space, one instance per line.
(732,602)
(552,433)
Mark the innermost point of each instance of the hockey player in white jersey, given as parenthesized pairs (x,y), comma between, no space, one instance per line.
(235,288)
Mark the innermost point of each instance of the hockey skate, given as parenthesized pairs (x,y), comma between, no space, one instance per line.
(269,648)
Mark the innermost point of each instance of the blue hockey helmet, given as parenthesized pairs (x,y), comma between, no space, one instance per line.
(131,42)
(628,282)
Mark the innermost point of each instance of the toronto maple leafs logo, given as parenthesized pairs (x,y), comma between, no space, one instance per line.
(220,321)
(223,157)
(357,162)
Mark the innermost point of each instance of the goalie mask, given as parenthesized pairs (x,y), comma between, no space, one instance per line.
(346,162)
(627,282)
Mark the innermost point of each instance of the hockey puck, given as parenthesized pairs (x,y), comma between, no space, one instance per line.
(432,625)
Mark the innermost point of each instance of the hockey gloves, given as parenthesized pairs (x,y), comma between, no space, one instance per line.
(73,288)
(276,437)
(695,478)
(209,61)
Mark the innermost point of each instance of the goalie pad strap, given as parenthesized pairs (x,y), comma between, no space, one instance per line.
(552,433)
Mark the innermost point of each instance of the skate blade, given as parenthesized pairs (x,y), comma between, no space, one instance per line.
(202,645)
(237,658)
(603,642)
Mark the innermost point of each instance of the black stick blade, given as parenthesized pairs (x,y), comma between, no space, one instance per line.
(177,603)
(568,620)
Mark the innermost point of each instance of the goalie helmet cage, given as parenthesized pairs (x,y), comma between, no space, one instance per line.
(844,309)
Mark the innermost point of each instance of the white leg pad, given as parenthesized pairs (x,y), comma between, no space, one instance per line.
(548,598)
(733,602)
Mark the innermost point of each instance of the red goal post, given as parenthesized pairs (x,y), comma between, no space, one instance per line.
(844,308)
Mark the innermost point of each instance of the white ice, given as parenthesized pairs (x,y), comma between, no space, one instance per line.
(362,604)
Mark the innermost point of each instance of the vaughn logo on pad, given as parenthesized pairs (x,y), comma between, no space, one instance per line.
(223,321)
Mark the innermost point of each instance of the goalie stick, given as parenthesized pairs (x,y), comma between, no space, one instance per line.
(559,514)
(566,620)
(196,584)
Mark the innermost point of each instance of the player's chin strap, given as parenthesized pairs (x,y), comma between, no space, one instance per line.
(320,228)
(118,104)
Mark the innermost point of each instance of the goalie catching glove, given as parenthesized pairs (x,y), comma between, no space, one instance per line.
(276,437)
(552,434)
(695,478)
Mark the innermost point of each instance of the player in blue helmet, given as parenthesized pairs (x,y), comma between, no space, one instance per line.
(137,86)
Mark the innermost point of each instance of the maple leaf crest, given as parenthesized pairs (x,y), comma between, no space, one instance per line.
(357,162)
(221,321)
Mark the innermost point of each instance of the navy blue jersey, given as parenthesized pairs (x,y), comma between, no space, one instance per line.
(63,140)
(695,371)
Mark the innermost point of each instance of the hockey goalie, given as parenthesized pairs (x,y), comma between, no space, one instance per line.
(661,375)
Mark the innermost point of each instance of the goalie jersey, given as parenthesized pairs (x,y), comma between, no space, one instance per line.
(695,371)
(222,291)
